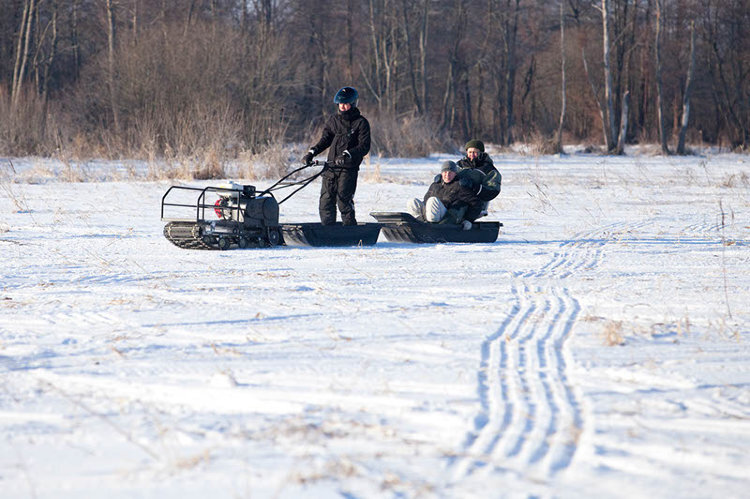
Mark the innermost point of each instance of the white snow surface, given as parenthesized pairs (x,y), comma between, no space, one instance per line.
(599,348)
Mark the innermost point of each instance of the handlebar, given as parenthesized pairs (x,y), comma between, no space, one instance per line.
(282,183)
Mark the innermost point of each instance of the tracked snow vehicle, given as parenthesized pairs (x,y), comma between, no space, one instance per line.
(234,215)
(239,216)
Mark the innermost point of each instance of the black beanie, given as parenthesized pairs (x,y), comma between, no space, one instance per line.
(476,144)
(449,166)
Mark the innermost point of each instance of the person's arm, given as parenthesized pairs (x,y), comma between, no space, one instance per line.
(471,179)
(494,180)
(325,140)
(486,164)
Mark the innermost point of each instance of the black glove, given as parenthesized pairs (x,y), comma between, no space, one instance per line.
(308,158)
(466,182)
(340,160)
(437,178)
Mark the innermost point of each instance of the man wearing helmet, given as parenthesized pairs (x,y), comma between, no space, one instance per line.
(347,135)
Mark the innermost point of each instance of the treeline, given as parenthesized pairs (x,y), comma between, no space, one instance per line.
(164,78)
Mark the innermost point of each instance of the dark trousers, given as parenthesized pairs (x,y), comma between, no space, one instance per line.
(337,188)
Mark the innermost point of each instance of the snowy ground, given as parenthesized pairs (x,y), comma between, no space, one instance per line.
(598,348)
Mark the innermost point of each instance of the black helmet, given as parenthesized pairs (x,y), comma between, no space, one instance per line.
(346,95)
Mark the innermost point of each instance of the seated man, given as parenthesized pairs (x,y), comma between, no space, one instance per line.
(446,201)
(478,172)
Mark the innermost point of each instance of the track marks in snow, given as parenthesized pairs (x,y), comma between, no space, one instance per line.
(530,415)
(703,228)
(583,252)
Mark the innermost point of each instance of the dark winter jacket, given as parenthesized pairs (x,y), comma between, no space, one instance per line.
(347,131)
(456,198)
(482,162)
(482,174)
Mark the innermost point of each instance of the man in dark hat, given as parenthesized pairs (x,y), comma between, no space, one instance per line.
(476,157)
(347,133)
(446,200)
(478,173)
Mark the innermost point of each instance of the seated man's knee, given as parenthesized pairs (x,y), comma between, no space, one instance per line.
(434,210)
(415,208)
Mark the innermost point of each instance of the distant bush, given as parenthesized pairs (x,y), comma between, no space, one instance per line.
(538,145)
(32,129)
(203,94)
(407,136)
(206,93)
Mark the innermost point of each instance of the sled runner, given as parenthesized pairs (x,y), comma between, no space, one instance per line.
(402,227)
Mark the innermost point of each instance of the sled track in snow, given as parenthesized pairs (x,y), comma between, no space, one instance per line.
(530,415)
(584,251)
(703,228)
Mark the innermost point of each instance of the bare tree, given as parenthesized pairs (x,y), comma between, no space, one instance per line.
(642,97)
(609,112)
(510,40)
(382,77)
(659,84)
(109,12)
(595,88)
(623,124)
(74,38)
(449,95)
(563,101)
(350,40)
(405,29)
(49,58)
(423,38)
(417,72)
(688,92)
(22,52)
(727,32)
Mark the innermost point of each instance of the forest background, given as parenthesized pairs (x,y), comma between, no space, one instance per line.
(229,78)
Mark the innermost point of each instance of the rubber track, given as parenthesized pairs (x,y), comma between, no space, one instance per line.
(186,235)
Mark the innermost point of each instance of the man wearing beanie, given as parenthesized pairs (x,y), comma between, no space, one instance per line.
(446,201)
(478,173)
(475,144)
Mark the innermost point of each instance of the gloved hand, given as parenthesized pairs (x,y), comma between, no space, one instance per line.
(344,159)
(307,159)
(466,225)
(437,178)
(466,182)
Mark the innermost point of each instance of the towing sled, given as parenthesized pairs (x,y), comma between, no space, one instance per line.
(402,227)
(238,216)
(315,234)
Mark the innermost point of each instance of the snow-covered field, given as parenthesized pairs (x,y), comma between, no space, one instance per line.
(599,348)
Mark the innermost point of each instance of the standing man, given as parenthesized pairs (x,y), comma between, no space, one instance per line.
(347,133)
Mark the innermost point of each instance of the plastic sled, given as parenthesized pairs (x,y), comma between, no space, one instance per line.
(402,227)
(316,234)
